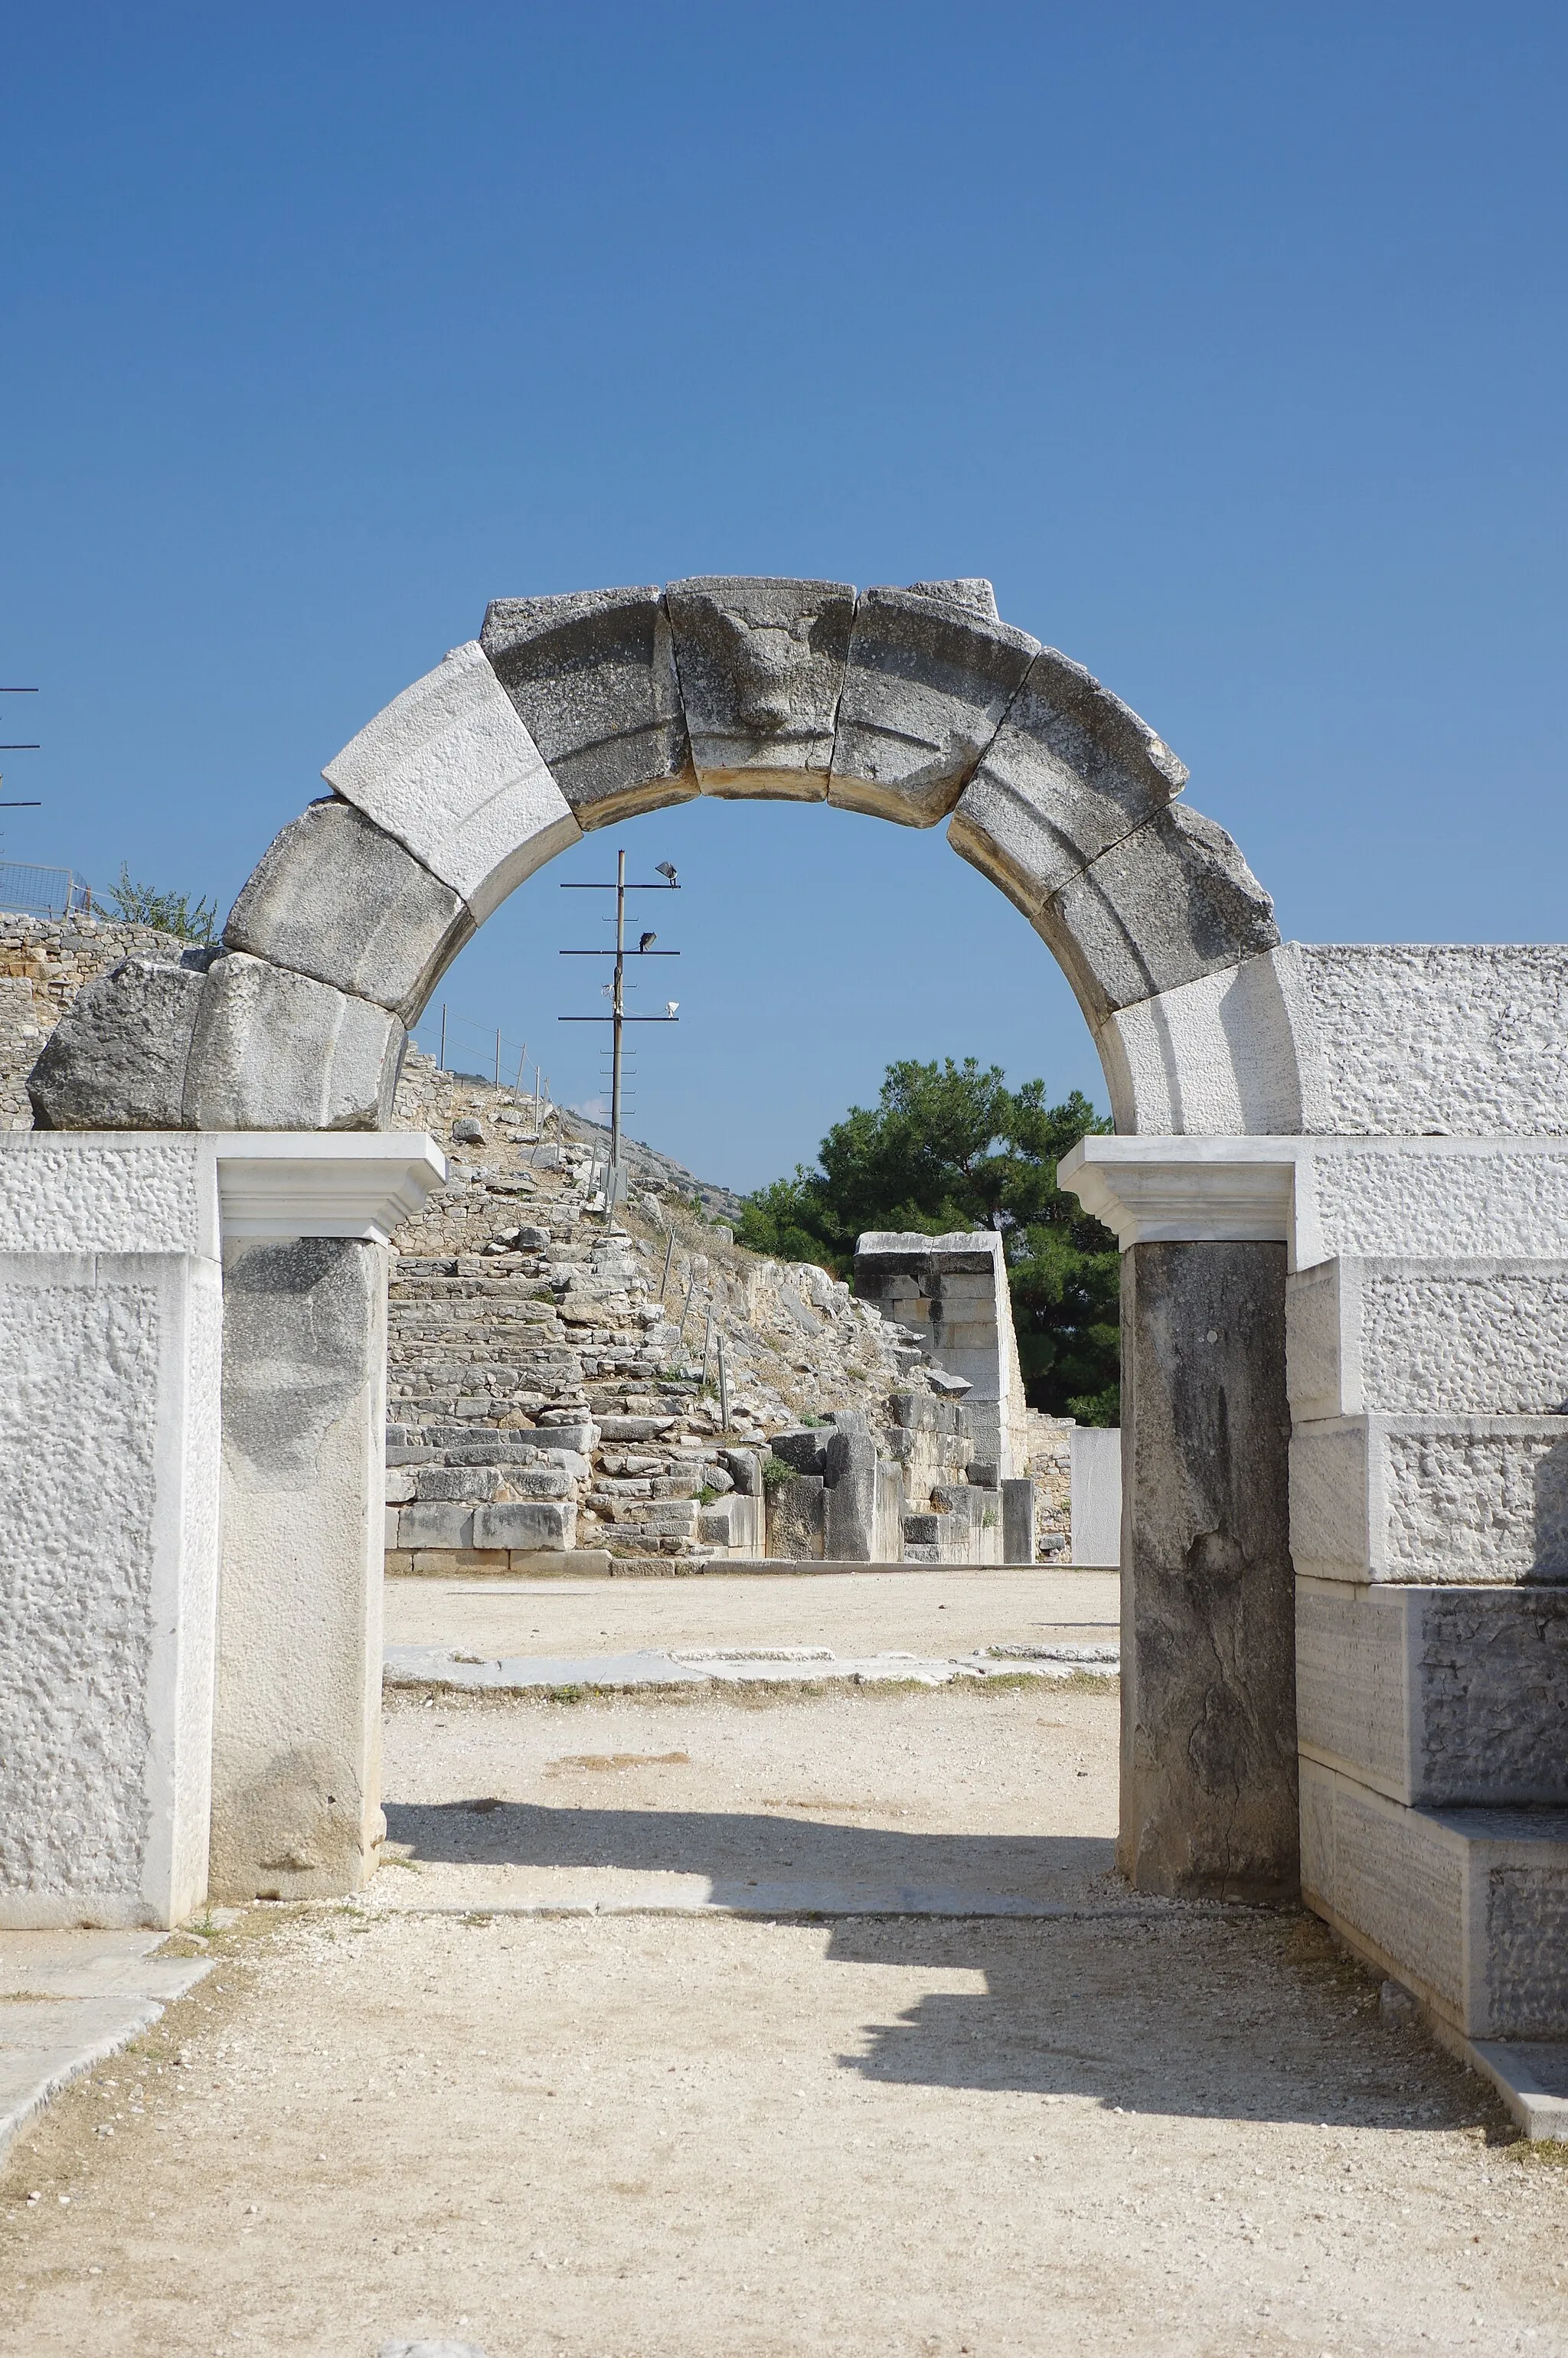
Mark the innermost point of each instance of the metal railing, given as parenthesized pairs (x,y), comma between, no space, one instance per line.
(43,891)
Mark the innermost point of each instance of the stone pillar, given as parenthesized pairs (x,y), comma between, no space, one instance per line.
(295,1754)
(1208,1726)
(1018,1519)
(1209,1766)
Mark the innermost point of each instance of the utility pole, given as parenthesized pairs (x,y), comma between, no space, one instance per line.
(28,748)
(617,1018)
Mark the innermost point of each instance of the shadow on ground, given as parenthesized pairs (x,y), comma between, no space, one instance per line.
(742,1853)
(1095,1994)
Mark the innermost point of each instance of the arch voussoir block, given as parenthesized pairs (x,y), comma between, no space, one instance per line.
(450,770)
(273,1050)
(1070,770)
(931,672)
(592,677)
(1160,908)
(760,663)
(336,898)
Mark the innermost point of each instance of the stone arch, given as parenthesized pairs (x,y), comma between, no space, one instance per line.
(572,712)
(568,713)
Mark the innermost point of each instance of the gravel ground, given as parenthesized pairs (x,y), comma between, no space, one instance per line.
(1121,2126)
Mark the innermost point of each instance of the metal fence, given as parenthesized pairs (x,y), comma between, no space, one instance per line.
(43,891)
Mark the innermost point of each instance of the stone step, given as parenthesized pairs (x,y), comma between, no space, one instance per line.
(1468,1908)
(1427,1337)
(1476,1500)
(1442,1696)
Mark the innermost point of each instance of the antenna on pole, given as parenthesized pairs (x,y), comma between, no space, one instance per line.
(617,1018)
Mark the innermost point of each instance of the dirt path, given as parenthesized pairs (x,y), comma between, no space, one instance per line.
(1115,2127)
(919,1612)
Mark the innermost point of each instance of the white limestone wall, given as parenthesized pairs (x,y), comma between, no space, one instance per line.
(110,1338)
(1350,1039)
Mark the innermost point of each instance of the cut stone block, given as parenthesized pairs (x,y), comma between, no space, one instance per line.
(117,1058)
(1094,1454)
(1428,1337)
(592,677)
(435,1525)
(971,590)
(1224,1056)
(804,1447)
(1070,771)
(526,1524)
(275,1050)
(849,1530)
(1468,1908)
(1457,1500)
(1160,908)
(1465,1039)
(796,1516)
(1018,1520)
(450,770)
(296,1753)
(109,1478)
(1209,1733)
(761,663)
(336,898)
(927,683)
(1451,1696)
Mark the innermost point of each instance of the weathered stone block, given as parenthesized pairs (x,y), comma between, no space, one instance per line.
(1070,771)
(927,682)
(450,770)
(1437,1199)
(796,1518)
(1208,1760)
(527,1523)
(1172,901)
(1225,1055)
(1017,1512)
(1460,1499)
(336,898)
(1094,1456)
(1442,1697)
(275,1050)
(1428,1337)
(109,1481)
(435,1526)
(850,1501)
(1468,1908)
(296,1762)
(117,1058)
(804,1447)
(761,663)
(592,677)
(1466,1039)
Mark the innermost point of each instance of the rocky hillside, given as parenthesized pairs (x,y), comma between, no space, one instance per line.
(580,1378)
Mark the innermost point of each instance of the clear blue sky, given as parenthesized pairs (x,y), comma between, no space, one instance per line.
(1228,340)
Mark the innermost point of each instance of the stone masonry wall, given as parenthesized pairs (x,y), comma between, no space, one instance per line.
(44,962)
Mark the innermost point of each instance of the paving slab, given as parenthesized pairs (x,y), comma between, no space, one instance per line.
(68,2000)
(443,1666)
